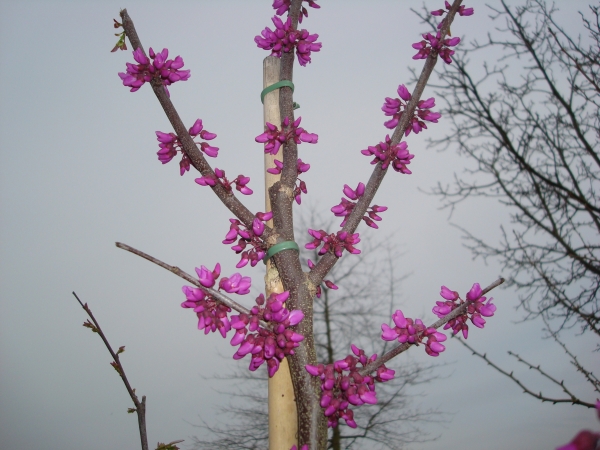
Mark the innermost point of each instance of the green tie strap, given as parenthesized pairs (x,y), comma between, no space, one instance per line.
(287,245)
(278,85)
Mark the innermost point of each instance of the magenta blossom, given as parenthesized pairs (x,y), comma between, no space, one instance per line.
(284,39)
(337,242)
(170,144)
(283,6)
(342,385)
(462,11)
(248,238)
(208,278)
(212,315)
(398,156)
(413,332)
(273,138)
(265,332)
(301,167)
(346,206)
(219,177)
(163,69)
(270,345)
(477,309)
(395,107)
(431,42)
(235,284)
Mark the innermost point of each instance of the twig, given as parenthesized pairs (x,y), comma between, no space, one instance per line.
(371,367)
(190,279)
(573,400)
(140,407)
(589,376)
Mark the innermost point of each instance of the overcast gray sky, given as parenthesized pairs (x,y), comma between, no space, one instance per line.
(79,172)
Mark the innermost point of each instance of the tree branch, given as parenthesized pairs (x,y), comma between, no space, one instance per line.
(572,398)
(372,367)
(188,144)
(140,407)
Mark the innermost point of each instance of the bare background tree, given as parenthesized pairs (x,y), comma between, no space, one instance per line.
(533,136)
(341,316)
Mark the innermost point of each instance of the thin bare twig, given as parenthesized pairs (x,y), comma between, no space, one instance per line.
(572,398)
(190,279)
(140,407)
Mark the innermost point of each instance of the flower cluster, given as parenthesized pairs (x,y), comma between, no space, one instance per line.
(335,242)
(343,385)
(161,68)
(212,315)
(430,42)
(283,6)
(301,167)
(397,155)
(248,237)
(170,144)
(413,332)
(219,177)
(273,138)
(462,11)
(346,206)
(477,309)
(270,345)
(284,39)
(395,107)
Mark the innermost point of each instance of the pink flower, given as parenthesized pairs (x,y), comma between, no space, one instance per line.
(337,243)
(395,107)
(430,42)
(212,315)
(208,278)
(236,284)
(342,385)
(477,309)
(170,145)
(398,156)
(462,11)
(284,39)
(270,345)
(240,181)
(301,167)
(161,68)
(283,6)
(448,294)
(248,237)
(346,206)
(273,138)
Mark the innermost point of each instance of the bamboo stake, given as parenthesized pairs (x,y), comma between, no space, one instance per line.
(283,418)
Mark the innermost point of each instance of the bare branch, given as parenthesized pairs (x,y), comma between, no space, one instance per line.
(140,407)
(571,399)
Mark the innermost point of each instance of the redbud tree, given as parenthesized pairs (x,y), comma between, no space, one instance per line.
(276,329)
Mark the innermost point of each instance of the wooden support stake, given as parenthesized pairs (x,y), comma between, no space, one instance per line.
(283,418)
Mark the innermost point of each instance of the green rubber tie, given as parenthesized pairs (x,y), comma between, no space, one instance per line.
(287,245)
(278,85)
